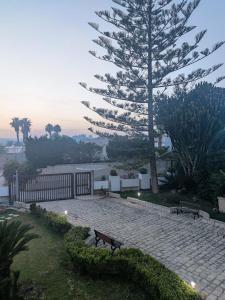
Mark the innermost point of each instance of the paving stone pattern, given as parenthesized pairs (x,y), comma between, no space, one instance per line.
(194,249)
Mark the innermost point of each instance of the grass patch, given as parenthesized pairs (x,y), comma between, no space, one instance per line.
(170,199)
(46,264)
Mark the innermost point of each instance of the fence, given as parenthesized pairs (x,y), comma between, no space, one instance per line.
(52,187)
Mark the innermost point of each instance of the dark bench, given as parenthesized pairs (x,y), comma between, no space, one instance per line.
(188,208)
(107,239)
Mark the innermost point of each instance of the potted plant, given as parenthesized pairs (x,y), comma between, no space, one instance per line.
(144,179)
(114,180)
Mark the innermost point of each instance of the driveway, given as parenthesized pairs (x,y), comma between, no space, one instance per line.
(194,249)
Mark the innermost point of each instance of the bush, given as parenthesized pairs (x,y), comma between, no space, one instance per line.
(143,171)
(212,186)
(12,166)
(113,173)
(131,264)
(56,222)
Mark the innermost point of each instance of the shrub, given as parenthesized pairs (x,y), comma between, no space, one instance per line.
(56,222)
(12,166)
(38,211)
(131,264)
(113,173)
(143,171)
(77,234)
(212,187)
(14,238)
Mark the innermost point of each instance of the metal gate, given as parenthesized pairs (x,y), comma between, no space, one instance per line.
(83,183)
(41,188)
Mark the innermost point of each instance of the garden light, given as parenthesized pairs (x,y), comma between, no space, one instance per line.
(193,284)
(139,194)
(66,212)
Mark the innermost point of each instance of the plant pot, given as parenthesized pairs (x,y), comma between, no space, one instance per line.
(144,181)
(114,183)
(221,204)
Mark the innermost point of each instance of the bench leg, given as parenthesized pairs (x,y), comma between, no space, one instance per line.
(113,248)
(97,241)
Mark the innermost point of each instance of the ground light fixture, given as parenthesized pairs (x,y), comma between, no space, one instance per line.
(66,212)
(139,194)
(193,284)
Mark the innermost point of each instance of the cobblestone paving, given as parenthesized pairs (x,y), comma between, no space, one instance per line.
(194,249)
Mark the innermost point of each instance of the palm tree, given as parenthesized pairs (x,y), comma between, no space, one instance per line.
(57,129)
(15,123)
(14,238)
(25,125)
(49,128)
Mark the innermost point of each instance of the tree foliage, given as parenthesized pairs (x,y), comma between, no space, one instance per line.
(193,120)
(149,48)
(42,152)
(15,123)
(23,168)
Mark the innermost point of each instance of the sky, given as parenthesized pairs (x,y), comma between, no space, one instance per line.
(44,48)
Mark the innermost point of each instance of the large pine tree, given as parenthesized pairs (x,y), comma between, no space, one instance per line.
(149,49)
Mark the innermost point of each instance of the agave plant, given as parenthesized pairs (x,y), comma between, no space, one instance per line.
(14,237)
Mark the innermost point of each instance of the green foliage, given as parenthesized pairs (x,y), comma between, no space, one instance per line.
(143,171)
(212,186)
(2,149)
(42,152)
(192,120)
(126,148)
(24,169)
(147,42)
(77,234)
(113,173)
(14,237)
(131,264)
(56,222)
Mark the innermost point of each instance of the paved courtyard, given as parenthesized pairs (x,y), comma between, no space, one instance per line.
(194,249)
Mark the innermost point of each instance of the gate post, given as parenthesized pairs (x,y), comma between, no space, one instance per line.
(72,186)
(92,182)
(17,187)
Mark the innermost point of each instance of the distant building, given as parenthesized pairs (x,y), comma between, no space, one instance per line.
(15,149)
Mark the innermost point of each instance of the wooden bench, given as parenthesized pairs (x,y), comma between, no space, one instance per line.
(107,239)
(188,208)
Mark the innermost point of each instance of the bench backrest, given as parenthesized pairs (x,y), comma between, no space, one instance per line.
(104,237)
(189,205)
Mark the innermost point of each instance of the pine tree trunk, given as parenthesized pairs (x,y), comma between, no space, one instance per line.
(17,136)
(154,179)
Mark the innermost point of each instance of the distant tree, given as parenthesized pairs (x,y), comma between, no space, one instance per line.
(2,149)
(25,168)
(57,129)
(42,152)
(193,120)
(25,125)
(148,47)
(15,123)
(49,128)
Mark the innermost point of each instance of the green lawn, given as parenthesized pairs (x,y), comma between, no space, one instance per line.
(170,199)
(46,263)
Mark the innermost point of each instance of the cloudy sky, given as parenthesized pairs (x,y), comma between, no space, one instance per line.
(44,54)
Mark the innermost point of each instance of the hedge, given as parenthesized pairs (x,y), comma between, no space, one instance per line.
(158,282)
(155,279)
(54,221)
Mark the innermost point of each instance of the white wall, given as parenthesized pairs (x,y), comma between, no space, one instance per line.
(100,169)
